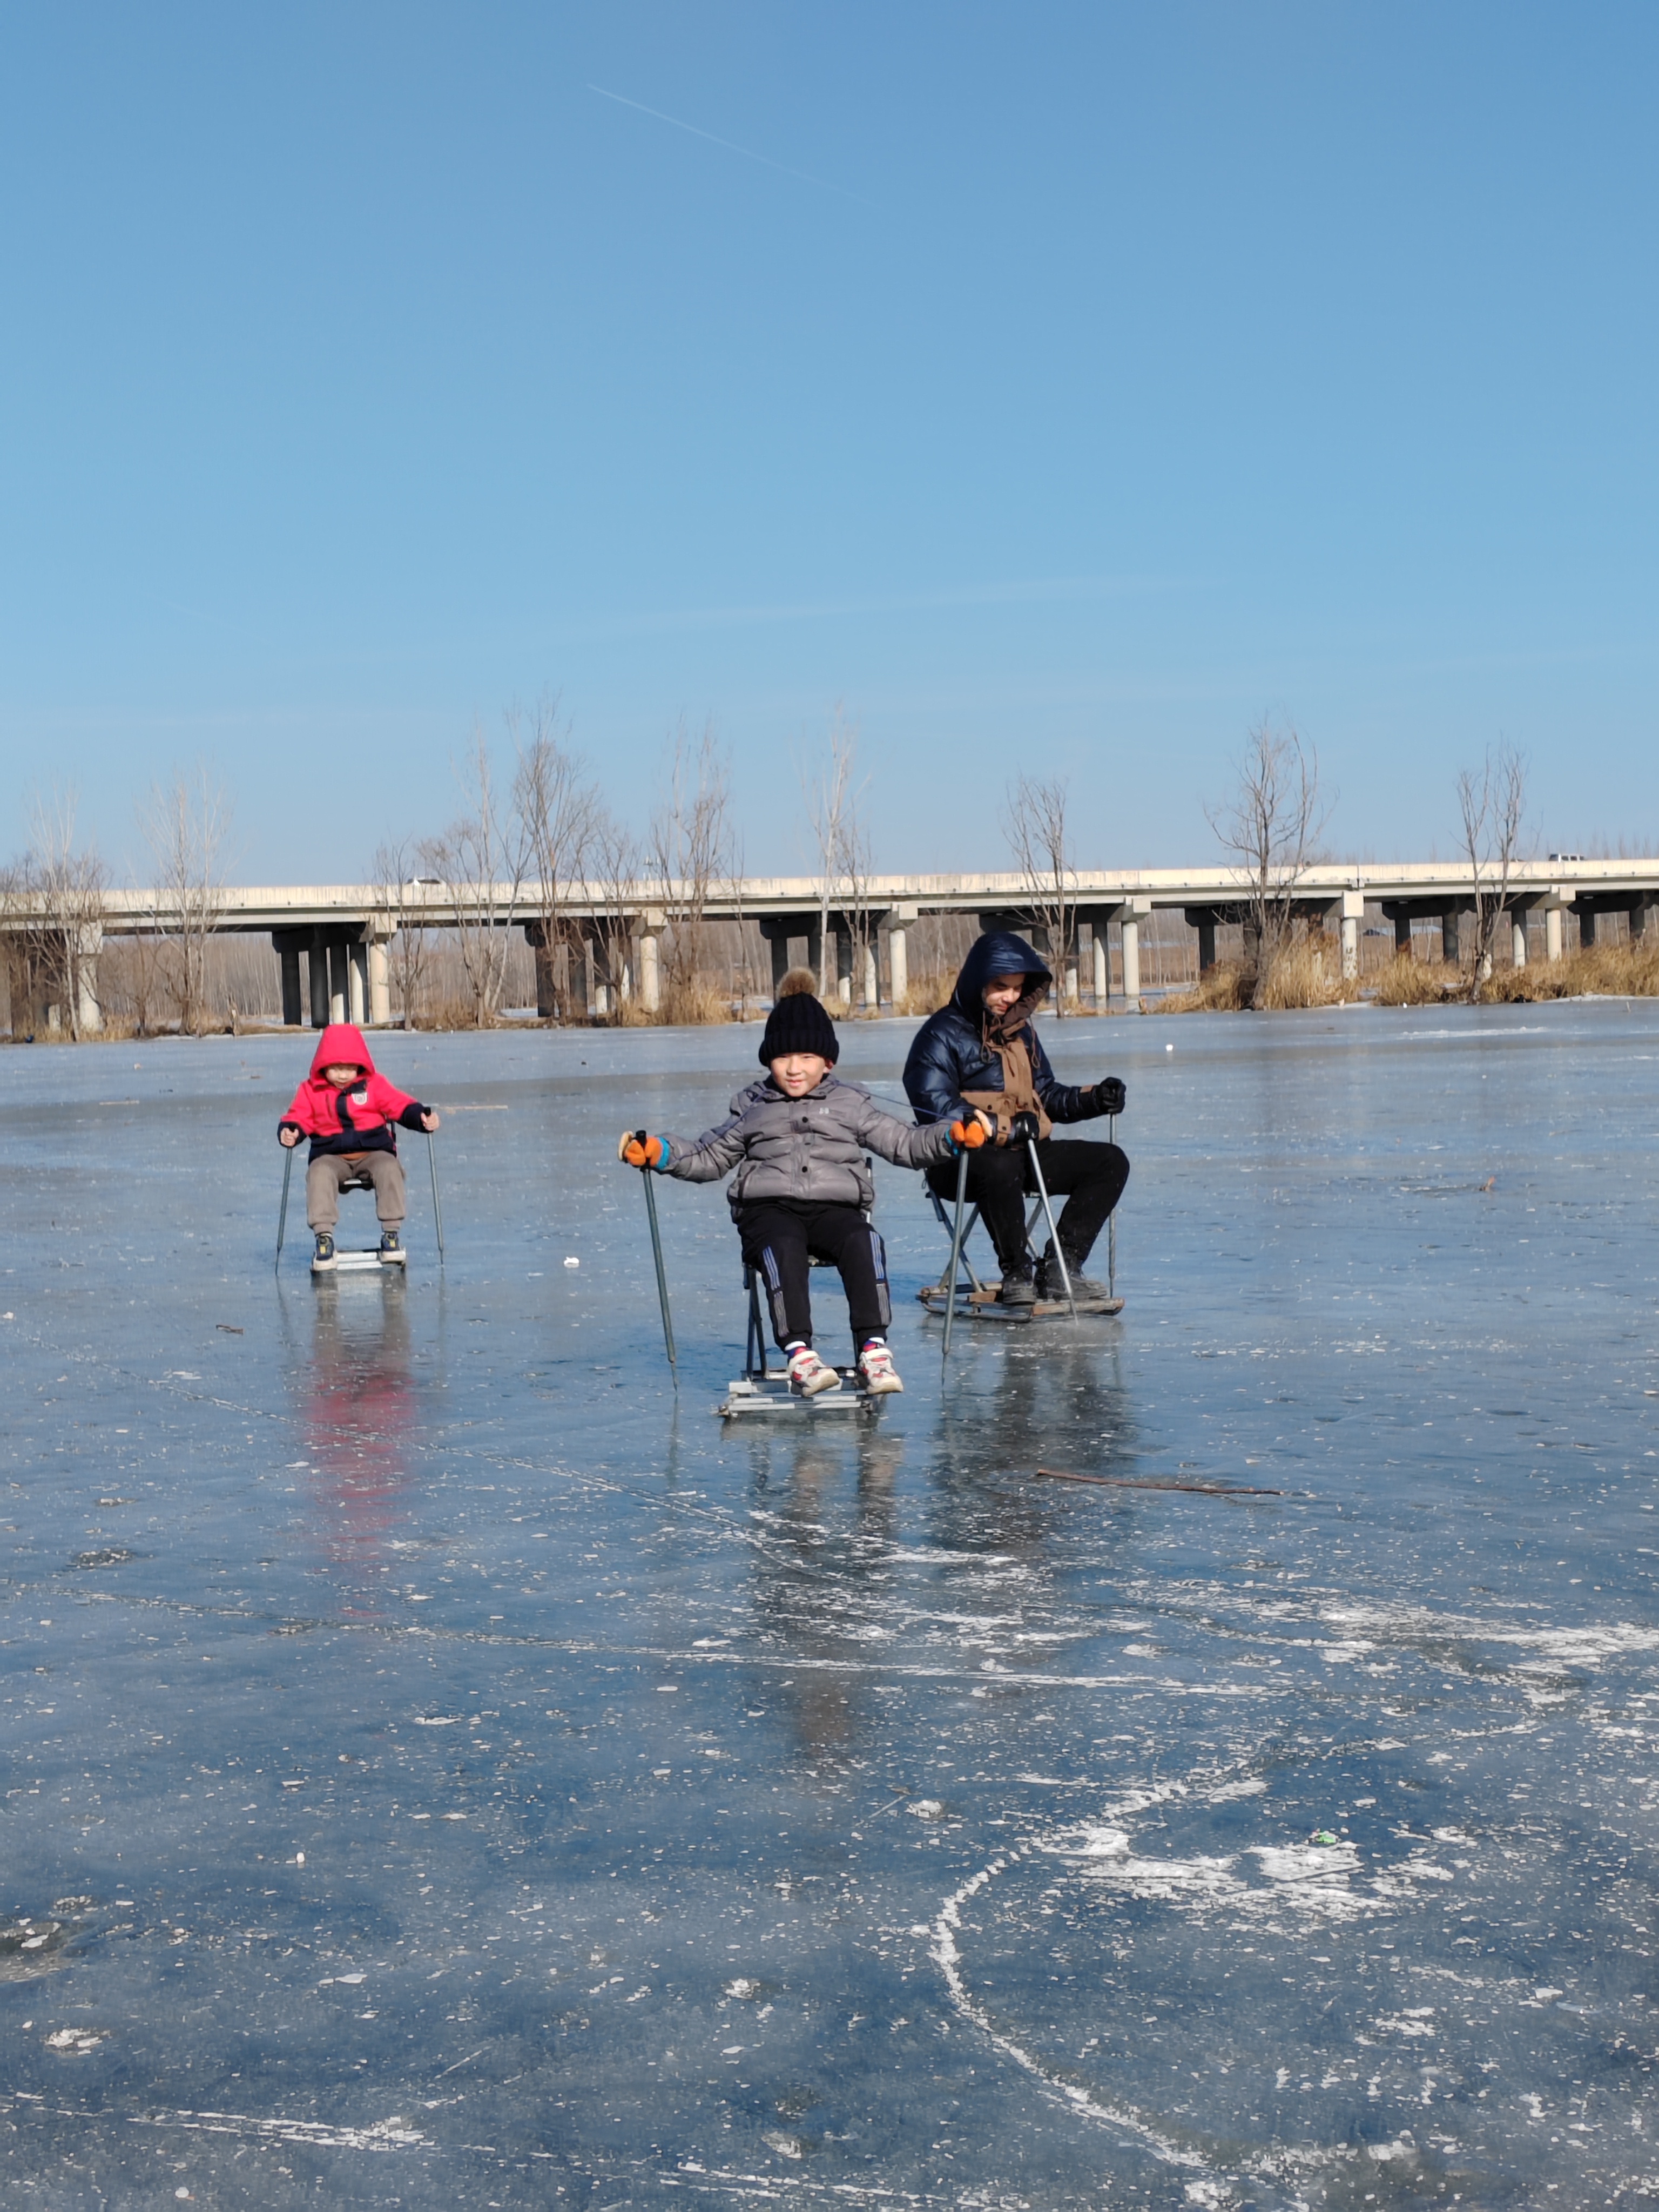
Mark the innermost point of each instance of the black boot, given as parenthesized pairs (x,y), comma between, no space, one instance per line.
(1051,1284)
(1018,1288)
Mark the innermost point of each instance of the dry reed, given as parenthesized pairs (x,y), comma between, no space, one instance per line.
(1612,972)
(1408,982)
(1307,972)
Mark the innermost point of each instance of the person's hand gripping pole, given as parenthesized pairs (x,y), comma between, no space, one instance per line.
(649,1154)
(968,1137)
(1112,1099)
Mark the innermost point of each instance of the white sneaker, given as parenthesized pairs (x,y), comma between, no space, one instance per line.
(876,1365)
(809,1374)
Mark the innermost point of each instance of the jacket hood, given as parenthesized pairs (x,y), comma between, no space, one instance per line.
(341,1042)
(1000,952)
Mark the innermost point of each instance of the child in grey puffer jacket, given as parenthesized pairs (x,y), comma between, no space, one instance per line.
(803,1187)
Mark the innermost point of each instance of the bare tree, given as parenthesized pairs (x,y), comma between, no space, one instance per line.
(400,900)
(690,853)
(483,859)
(1271,823)
(560,818)
(1492,806)
(834,810)
(53,901)
(186,824)
(1035,828)
(613,870)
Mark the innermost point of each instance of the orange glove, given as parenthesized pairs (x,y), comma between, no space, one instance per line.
(968,1136)
(636,1150)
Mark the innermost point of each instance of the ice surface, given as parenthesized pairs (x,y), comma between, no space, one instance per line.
(447,1768)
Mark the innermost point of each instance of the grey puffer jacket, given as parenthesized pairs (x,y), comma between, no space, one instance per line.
(810,1149)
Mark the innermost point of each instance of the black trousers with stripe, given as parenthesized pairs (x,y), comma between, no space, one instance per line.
(781,1236)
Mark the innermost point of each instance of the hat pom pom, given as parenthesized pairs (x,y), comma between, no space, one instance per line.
(798,983)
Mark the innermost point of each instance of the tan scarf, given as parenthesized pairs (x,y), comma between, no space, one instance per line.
(1018,1092)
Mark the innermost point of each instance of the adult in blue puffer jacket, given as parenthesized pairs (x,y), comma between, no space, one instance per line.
(982,1050)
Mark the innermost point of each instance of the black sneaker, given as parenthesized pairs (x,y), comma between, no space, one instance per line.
(323,1260)
(1018,1288)
(391,1245)
(1051,1284)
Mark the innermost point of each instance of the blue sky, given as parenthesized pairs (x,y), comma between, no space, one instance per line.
(1060,389)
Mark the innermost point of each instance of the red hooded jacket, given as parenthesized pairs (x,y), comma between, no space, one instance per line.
(357,1120)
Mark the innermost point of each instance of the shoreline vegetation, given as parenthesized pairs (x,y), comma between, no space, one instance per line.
(1309,975)
(647,948)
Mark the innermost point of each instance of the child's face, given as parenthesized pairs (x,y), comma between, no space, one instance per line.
(341,1076)
(797,1073)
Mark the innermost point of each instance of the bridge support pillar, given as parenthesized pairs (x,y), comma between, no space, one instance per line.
(595,996)
(379,984)
(339,987)
(1586,928)
(779,930)
(898,964)
(1102,963)
(317,977)
(85,943)
(357,983)
(1402,933)
(650,971)
(843,936)
(1449,936)
(1130,926)
(1354,913)
(1551,935)
(1518,939)
(287,944)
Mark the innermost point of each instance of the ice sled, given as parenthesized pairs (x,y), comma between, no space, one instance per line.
(360,1261)
(983,1300)
(761,1389)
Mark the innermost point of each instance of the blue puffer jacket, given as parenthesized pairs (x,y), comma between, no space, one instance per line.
(950,1054)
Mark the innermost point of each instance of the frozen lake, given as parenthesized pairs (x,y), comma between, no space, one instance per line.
(448,1768)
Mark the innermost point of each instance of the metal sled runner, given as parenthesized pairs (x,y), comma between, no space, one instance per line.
(982,1301)
(761,1389)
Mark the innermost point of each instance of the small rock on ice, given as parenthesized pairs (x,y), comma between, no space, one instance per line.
(573,1263)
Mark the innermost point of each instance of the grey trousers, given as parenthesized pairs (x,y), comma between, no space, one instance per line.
(324,1177)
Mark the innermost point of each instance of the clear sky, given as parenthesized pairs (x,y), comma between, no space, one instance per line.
(1059,388)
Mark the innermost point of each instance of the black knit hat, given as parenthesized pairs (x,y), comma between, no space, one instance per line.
(798,1024)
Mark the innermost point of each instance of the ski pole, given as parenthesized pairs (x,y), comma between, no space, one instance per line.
(647,1171)
(437,1210)
(282,1219)
(955,1250)
(1053,1234)
(1111,1225)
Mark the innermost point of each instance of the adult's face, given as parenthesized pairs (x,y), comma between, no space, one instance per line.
(1000,992)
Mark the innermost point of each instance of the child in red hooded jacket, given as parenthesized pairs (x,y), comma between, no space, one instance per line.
(349,1111)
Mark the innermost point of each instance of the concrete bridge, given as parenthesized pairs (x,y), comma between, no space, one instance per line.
(332,939)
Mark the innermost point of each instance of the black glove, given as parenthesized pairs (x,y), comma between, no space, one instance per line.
(1024,1128)
(1110,1095)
